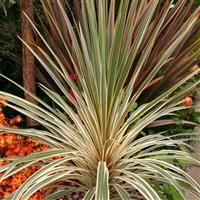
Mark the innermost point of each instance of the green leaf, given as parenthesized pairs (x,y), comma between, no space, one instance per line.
(102,184)
(175,195)
(123,194)
(90,194)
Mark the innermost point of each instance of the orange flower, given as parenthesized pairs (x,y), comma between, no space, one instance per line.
(2,141)
(9,138)
(9,153)
(6,194)
(16,145)
(2,118)
(187,101)
(11,121)
(18,119)
(3,102)
(38,195)
(1,162)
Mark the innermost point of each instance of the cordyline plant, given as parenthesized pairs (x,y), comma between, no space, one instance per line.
(100,146)
(184,57)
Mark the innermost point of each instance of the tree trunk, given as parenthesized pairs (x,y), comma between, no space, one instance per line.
(28,60)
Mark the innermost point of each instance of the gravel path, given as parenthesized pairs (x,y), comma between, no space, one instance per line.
(79,196)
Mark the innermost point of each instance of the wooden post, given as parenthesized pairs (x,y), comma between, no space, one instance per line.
(28,60)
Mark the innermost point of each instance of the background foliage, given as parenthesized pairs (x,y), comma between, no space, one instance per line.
(10,49)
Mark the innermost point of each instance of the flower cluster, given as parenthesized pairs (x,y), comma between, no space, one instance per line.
(16,145)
